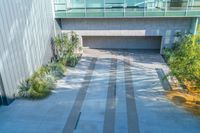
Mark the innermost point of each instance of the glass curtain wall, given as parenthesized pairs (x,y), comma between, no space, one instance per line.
(119,8)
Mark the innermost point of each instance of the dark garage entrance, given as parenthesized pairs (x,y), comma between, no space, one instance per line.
(122,42)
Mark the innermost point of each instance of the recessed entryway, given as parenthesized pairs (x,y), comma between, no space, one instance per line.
(122,42)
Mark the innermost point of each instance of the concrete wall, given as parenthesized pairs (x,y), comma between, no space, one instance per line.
(165,27)
(57,26)
(26,28)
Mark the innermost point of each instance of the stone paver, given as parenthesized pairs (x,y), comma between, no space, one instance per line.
(133,92)
(93,110)
(75,112)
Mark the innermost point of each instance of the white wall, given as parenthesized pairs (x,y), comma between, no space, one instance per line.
(26,28)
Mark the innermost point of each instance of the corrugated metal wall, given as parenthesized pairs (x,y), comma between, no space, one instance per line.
(26,28)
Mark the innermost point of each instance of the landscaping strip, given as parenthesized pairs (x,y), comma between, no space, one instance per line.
(74,115)
(132,117)
(184,61)
(109,118)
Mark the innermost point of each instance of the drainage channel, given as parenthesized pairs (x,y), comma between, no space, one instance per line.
(79,115)
(163,79)
(75,113)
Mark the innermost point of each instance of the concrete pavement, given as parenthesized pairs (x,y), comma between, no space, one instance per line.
(119,92)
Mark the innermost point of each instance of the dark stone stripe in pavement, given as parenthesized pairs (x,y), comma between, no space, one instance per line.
(132,117)
(75,111)
(163,79)
(109,118)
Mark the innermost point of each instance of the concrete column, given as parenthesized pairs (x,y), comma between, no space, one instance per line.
(81,40)
(194,26)
(166,42)
(162,45)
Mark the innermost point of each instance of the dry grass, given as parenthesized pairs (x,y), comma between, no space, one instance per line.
(188,100)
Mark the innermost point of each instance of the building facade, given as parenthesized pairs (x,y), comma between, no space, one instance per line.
(27,27)
(128,24)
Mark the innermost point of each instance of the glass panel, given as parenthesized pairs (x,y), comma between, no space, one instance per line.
(156,7)
(134,14)
(94,3)
(61,14)
(95,13)
(177,4)
(193,13)
(194,5)
(175,13)
(76,4)
(60,1)
(114,12)
(118,8)
(60,7)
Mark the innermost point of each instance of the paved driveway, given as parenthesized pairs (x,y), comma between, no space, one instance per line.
(107,92)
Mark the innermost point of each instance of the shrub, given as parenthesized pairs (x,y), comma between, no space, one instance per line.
(72,60)
(41,82)
(50,80)
(34,88)
(73,44)
(39,88)
(65,47)
(60,43)
(23,88)
(40,72)
(56,69)
(184,61)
